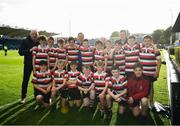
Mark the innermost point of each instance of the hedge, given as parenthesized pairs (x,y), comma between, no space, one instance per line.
(177,54)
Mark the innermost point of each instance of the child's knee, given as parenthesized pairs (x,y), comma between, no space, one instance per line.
(144,101)
(39,98)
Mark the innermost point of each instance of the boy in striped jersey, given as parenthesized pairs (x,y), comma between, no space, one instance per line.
(108,56)
(42,84)
(59,81)
(131,50)
(72,84)
(86,54)
(61,53)
(87,87)
(99,53)
(72,51)
(100,85)
(150,59)
(40,53)
(117,89)
(119,57)
(51,53)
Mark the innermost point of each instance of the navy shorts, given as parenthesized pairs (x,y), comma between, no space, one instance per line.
(46,97)
(74,94)
(63,93)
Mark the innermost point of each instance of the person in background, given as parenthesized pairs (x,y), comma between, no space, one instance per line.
(5,50)
(123,37)
(80,38)
(25,50)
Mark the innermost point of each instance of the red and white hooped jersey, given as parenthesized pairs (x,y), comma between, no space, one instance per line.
(117,84)
(42,79)
(148,59)
(100,81)
(131,56)
(52,56)
(85,81)
(119,60)
(59,76)
(87,55)
(73,76)
(72,53)
(40,54)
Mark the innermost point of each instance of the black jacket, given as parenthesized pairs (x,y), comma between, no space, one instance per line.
(24,50)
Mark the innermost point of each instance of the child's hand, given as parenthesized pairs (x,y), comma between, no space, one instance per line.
(130,100)
(44,91)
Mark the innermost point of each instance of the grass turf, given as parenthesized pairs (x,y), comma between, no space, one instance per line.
(11,71)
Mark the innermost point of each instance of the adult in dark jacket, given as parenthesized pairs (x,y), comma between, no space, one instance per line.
(25,50)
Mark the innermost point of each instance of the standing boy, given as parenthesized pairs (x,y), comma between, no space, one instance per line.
(150,59)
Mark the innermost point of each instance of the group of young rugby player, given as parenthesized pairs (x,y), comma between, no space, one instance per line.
(81,74)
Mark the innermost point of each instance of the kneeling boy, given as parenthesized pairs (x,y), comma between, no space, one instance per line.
(138,88)
(42,84)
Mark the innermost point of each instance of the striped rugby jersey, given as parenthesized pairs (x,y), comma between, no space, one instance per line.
(40,54)
(99,55)
(59,76)
(148,59)
(42,79)
(119,60)
(72,53)
(73,76)
(52,58)
(109,60)
(87,55)
(131,56)
(117,85)
(84,81)
(99,81)
(61,54)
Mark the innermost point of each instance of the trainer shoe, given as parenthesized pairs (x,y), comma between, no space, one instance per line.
(23,101)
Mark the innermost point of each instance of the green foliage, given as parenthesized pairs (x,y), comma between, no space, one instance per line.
(177,54)
(115,34)
(162,36)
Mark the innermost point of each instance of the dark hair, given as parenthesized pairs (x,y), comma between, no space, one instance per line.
(98,42)
(43,62)
(80,33)
(148,37)
(61,41)
(85,40)
(50,38)
(118,42)
(86,67)
(115,68)
(123,31)
(42,38)
(132,37)
(137,65)
(73,63)
(71,39)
